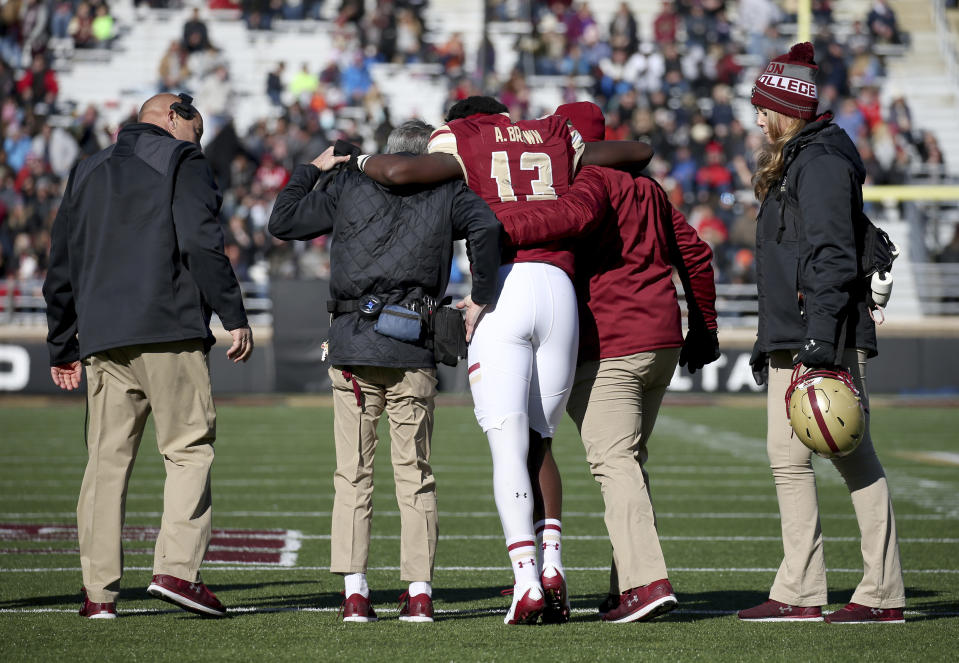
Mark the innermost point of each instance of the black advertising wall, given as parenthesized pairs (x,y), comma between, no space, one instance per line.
(290,361)
(300,324)
(25,369)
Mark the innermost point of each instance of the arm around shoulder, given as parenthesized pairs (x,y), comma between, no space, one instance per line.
(402,169)
(631,155)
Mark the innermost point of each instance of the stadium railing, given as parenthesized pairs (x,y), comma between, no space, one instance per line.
(22,304)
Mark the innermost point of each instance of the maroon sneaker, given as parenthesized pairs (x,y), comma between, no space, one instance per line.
(609,603)
(417,608)
(855,613)
(774,611)
(643,603)
(194,597)
(556,608)
(527,606)
(92,610)
(357,608)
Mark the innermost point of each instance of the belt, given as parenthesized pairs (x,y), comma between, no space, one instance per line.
(369,306)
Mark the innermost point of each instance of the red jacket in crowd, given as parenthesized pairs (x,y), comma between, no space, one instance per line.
(625,261)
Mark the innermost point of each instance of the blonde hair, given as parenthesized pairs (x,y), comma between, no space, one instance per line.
(769,161)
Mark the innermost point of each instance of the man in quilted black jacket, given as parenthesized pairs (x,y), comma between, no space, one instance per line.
(390,257)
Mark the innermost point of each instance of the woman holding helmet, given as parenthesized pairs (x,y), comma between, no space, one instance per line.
(814,310)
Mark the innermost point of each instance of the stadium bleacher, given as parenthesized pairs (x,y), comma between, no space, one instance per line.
(100,87)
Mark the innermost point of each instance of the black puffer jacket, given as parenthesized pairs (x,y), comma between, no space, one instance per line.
(394,243)
(808,239)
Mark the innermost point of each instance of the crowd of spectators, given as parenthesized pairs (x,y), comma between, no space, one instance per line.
(677,90)
(40,141)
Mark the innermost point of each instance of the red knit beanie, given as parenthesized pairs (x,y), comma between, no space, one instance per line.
(587,118)
(788,85)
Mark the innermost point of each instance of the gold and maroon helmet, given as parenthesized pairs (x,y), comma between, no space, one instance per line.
(825,411)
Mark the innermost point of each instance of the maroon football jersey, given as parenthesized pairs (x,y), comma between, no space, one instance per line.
(505,162)
(512,165)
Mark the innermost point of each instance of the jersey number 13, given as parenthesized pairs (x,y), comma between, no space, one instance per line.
(541,187)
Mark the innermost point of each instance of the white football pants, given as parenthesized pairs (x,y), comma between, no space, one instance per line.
(521,363)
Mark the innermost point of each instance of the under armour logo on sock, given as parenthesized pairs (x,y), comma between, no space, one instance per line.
(524,495)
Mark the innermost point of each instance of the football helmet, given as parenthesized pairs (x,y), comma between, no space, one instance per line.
(825,411)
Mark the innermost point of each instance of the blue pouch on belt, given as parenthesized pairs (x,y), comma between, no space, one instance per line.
(400,323)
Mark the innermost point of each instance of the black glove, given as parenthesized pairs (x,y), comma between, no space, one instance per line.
(701,347)
(341,148)
(759,362)
(817,354)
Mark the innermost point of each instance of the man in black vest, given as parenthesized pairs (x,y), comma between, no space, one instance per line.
(136,269)
(390,264)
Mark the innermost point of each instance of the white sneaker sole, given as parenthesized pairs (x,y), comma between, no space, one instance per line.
(784,619)
(172,597)
(103,615)
(873,621)
(357,619)
(657,607)
(420,619)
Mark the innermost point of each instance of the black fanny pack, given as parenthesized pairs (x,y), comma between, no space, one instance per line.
(444,325)
(394,320)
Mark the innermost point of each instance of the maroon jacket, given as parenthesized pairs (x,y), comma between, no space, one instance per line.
(627,300)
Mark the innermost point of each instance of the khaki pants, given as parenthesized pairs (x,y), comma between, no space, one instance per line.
(408,397)
(614,403)
(801,579)
(123,386)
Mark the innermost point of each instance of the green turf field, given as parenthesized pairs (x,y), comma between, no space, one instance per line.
(711,486)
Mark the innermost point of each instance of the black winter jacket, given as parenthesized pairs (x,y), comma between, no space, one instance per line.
(136,251)
(808,239)
(393,243)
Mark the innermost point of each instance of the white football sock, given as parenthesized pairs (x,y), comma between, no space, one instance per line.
(355,583)
(522,556)
(553,544)
(417,588)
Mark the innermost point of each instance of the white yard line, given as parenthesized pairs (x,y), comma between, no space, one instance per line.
(445,495)
(15,515)
(294,541)
(389,611)
(291,546)
(472,569)
(937,496)
(942,458)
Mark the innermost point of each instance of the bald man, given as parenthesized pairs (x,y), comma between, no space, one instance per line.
(136,270)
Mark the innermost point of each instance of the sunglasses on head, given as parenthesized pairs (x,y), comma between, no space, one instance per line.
(184,107)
